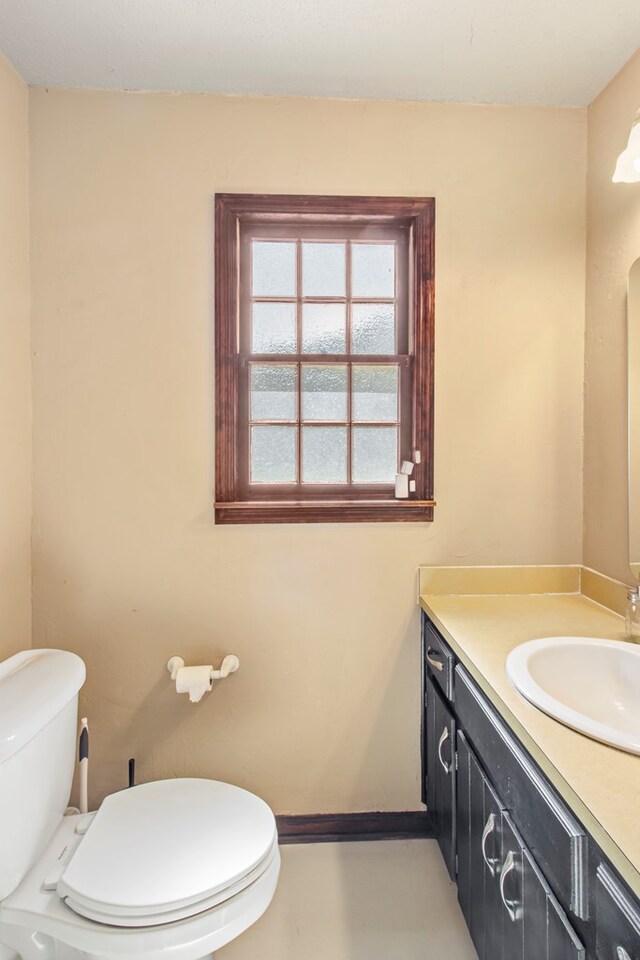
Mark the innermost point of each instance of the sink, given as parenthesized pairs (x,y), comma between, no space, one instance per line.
(588,684)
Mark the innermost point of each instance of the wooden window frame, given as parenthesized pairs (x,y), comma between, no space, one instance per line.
(235,503)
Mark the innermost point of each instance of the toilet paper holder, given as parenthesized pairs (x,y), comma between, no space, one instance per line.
(196,681)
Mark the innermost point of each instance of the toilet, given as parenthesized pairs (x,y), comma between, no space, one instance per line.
(173,869)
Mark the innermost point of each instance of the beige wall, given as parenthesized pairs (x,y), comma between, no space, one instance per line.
(129,567)
(15,367)
(613,212)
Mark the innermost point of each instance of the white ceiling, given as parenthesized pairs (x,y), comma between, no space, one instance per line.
(556,52)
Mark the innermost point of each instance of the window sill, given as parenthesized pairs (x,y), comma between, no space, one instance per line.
(325,511)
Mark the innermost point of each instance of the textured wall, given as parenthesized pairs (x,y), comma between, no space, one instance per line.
(613,213)
(129,567)
(15,367)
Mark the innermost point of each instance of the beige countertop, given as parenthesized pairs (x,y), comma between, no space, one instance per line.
(599,783)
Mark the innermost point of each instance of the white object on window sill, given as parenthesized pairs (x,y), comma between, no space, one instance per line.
(402,486)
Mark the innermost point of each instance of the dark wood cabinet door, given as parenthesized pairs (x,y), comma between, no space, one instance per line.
(534,925)
(548,935)
(441,780)
(534,896)
(430,761)
(510,889)
(562,940)
(470,823)
(490,844)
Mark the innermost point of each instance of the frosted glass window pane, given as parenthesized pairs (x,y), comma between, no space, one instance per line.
(273,392)
(375,392)
(324,328)
(273,328)
(323,269)
(374,454)
(273,454)
(372,270)
(373,328)
(273,268)
(324,393)
(324,454)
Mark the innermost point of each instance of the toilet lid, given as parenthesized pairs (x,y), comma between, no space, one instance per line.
(160,850)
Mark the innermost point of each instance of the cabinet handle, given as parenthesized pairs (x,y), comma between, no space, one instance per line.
(489,828)
(431,660)
(443,736)
(621,954)
(507,867)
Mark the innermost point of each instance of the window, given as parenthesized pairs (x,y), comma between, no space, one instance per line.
(324,357)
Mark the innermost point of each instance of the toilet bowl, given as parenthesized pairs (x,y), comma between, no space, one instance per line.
(173,869)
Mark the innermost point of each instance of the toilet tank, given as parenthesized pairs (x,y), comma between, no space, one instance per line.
(38,723)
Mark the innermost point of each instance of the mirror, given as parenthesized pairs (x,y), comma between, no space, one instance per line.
(633,338)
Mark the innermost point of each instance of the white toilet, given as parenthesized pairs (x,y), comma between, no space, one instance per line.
(173,869)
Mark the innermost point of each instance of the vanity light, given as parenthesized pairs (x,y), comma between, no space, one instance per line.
(628,165)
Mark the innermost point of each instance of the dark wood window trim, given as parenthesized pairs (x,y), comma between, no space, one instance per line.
(232,503)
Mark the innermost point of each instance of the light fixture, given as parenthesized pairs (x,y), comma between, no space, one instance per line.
(628,165)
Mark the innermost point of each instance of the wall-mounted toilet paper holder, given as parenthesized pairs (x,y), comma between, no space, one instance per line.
(196,681)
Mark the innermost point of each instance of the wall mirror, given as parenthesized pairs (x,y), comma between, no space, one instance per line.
(633,334)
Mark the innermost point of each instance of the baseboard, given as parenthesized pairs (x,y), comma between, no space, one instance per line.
(332,827)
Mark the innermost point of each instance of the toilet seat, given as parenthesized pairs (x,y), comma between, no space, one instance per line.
(166,851)
(34,918)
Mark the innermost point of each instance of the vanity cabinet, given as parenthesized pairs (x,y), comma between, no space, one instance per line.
(558,842)
(507,903)
(532,884)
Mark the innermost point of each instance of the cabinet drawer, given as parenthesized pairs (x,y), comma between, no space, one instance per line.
(439,659)
(617,919)
(555,838)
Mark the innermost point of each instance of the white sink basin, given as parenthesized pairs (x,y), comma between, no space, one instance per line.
(588,684)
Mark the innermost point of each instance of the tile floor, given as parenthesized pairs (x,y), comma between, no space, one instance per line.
(389,900)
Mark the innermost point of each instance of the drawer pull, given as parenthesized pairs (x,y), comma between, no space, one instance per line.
(621,954)
(489,828)
(507,867)
(431,660)
(443,736)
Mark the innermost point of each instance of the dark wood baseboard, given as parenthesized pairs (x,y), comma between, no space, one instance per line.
(332,827)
